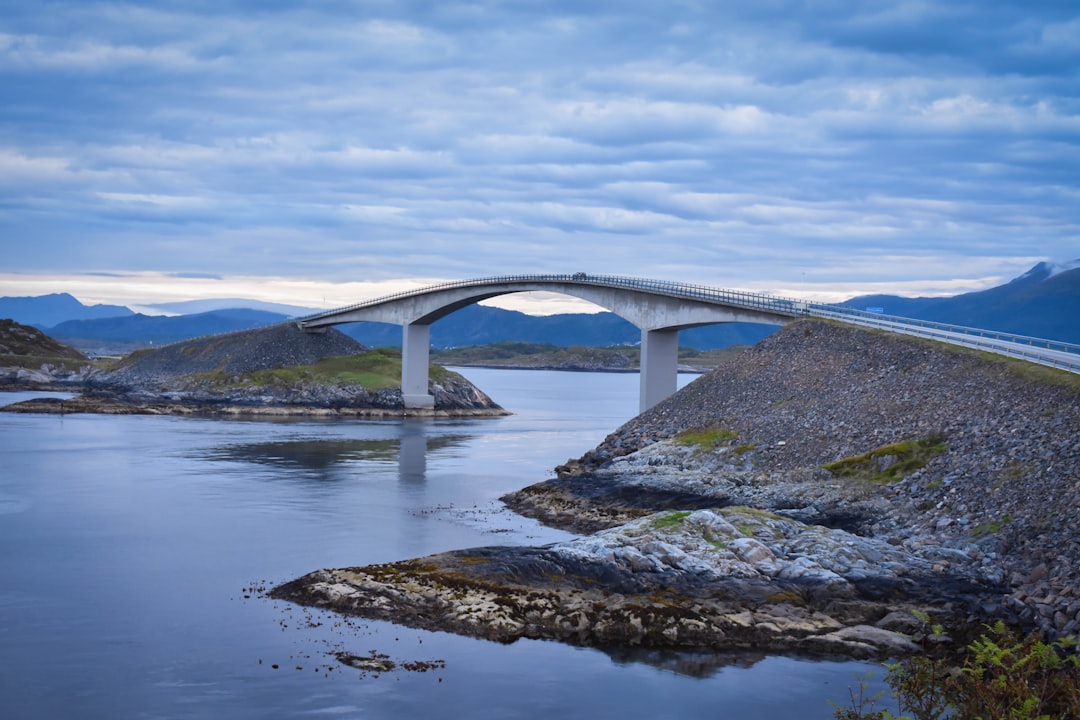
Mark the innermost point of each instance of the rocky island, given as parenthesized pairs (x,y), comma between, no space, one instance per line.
(31,360)
(825,491)
(275,370)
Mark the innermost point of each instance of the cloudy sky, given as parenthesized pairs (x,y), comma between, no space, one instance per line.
(318,152)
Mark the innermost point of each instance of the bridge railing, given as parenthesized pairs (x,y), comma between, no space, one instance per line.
(1065,356)
(880,318)
(770,303)
(784,306)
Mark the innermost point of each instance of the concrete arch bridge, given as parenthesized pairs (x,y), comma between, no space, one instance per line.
(660,309)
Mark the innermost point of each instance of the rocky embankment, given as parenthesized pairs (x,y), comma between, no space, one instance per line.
(31,360)
(952,488)
(267,371)
(733,579)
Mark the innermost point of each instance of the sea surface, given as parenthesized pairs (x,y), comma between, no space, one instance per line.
(134,551)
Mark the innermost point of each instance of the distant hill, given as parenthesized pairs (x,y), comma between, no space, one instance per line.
(483,325)
(1043,302)
(21,340)
(45,311)
(31,360)
(141,330)
(191,307)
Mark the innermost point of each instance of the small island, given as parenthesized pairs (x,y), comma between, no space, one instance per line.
(275,370)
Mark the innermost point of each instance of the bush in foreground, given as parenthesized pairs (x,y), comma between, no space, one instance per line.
(1001,677)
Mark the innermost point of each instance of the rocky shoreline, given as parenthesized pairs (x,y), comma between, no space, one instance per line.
(731,579)
(115,406)
(851,485)
(272,371)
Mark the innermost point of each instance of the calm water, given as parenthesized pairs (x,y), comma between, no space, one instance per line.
(129,543)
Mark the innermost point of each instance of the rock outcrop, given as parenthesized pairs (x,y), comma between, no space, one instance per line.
(238,353)
(31,359)
(846,478)
(729,579)
(1003,497)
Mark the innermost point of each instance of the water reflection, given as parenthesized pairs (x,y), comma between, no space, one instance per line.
(413,449)
(691,663)
(321,457)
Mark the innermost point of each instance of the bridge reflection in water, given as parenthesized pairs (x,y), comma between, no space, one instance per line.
(334,460)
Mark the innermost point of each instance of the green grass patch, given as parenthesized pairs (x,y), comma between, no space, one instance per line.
(889,463)
(991,527)
(670,519)
(374,370)
(33,362)
(1038,373)
(751,518)
(754,512)
(707,438)
(1016,470)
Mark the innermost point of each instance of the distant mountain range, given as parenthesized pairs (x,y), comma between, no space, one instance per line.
(472,325)
(45,311)
(138,330)
(1043,302)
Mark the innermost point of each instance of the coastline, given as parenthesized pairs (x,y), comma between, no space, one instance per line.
(714,519)
(81,404)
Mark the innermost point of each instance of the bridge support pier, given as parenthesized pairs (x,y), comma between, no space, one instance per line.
(415,356)
(659,366)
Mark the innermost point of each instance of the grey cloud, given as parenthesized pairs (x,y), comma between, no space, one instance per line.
(492,135)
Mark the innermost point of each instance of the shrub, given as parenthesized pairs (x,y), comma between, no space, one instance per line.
(1002,677)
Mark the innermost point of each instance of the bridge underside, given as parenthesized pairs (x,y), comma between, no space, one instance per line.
(659,317)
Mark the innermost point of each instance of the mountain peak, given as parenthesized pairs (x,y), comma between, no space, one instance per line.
(50,310)
(1046,270)
(1058,268)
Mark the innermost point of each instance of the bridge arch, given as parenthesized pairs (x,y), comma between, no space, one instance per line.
(659,309)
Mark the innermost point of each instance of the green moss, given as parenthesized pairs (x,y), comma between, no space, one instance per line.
(787,596)
(990,527)
(904,458)
(753,512)
(373,370)
(744,448)
(1016,470)
(707,438)
(670,519)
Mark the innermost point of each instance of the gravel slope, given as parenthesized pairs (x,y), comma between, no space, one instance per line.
(1005,494)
